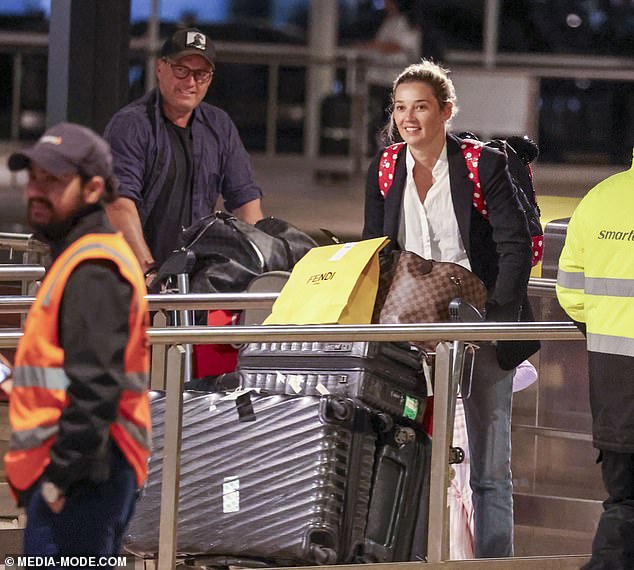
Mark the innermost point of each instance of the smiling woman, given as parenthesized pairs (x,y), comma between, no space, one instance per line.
(429,211)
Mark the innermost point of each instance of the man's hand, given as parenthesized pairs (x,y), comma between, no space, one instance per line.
(57,506)
(150,276)
(53,496)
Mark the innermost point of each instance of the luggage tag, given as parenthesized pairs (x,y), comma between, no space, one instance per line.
(427,372)
(231,495)
(244,405)
(297,383)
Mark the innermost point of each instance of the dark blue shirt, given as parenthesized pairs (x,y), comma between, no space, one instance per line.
(142,155)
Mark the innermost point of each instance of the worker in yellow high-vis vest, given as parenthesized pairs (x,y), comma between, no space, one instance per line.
(595,286)
(78,407)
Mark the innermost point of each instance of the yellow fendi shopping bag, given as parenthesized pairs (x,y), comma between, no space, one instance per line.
(331,284)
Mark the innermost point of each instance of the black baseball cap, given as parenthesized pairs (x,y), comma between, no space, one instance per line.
(67,148)
(189,41)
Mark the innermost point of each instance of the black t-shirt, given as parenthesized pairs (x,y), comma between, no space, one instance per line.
(173,208)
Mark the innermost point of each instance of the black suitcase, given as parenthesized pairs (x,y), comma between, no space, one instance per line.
(386,376)
(281,480)
(399,505)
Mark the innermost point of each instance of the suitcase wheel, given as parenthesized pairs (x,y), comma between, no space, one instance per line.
(323,555)
(456,455)
(404,435)
(322,546)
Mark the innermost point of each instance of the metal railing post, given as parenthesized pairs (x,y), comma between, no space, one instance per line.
(170,487)
(159,356)
(447,374)
(186,320)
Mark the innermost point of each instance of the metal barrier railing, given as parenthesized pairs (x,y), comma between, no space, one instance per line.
(447,372)
(22,242)
(32,250)
(21,272)
(11,304)
(537,287)
(446,380)
(394,333)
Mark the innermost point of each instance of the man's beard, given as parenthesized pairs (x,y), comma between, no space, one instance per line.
(51,231)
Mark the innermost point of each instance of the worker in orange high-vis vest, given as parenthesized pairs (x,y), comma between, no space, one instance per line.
(79,407)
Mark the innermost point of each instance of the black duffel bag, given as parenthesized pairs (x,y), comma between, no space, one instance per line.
(222,254)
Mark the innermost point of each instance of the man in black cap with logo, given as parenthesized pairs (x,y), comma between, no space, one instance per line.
(175,155)
(79,407)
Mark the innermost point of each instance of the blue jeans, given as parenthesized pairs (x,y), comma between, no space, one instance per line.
(92,522)
(488,417)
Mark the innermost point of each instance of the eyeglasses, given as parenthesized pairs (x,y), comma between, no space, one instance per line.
(183,72)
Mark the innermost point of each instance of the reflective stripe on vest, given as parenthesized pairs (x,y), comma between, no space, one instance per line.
(32,438)
(609,287)
(38,377)
(139,434)
(56,379)
(610,344)
(605,286)
(81,251)
(571,280)
(35,437)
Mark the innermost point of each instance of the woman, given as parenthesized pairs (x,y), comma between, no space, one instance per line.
(429,210)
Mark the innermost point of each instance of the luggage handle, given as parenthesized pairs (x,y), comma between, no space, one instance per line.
(471,349)
(397,352)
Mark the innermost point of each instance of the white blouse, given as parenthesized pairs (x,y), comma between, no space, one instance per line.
(430,229)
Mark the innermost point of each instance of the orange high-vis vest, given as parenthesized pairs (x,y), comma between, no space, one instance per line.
(40,381)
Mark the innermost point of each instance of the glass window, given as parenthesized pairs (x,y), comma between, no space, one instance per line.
(446,24)
(24,15)
(451,24)
(24,7)
(176,11)
(600,27)
(586,122)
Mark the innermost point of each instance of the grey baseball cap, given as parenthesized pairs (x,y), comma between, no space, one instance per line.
(67,148)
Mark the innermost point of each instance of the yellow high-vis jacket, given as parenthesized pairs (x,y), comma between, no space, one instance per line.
(595,286)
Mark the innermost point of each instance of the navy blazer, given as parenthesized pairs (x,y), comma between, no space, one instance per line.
(499,250)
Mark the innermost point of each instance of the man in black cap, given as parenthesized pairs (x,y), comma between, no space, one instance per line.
(79,407)
(175,154)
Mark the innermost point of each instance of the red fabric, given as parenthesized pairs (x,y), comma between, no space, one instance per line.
(471,151)
(428,416)
(387,164)
(215,359)
(538,248)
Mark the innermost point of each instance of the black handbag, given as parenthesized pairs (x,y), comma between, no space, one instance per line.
(228,253)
